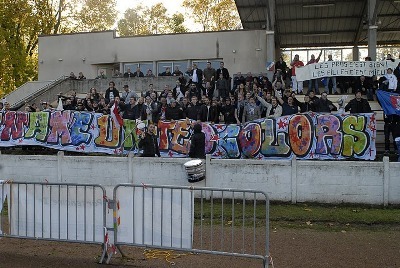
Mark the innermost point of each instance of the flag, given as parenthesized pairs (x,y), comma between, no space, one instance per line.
(116,116)
(389,101)
(270,66)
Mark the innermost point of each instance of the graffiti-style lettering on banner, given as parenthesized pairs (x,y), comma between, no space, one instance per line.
(69,131)
(306,136)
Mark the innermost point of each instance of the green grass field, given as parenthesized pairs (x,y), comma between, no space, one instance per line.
(315,216)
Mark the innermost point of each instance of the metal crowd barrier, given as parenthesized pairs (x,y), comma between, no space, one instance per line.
(53,211)
(228,222)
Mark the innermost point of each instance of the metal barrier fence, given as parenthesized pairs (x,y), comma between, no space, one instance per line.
(226,222)
(53,211)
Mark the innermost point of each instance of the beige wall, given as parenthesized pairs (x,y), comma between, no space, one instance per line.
(61,54)
(366,182)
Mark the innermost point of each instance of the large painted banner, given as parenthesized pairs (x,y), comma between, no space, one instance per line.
(68,130)
(306,136)
(344,68)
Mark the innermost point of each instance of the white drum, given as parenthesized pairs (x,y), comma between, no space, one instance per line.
(195,170)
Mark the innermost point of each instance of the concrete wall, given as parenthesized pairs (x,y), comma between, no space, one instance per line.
(293,181)
(82,87)
(137,84)
(61,54)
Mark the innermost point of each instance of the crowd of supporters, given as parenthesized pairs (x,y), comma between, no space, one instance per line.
(340,84)
(211,95)
(208,96)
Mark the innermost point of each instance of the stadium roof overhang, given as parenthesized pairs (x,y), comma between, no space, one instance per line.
(323,23)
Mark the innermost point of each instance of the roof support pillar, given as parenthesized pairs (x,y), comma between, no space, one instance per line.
(270,32)
(278,52)
(372,28)
(356,53)
(270,46)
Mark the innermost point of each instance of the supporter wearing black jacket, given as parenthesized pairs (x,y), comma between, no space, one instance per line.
(228,111)
(173,111)
(223,70)
(215,111)
(209,113)
(323,105)
(141,109)
(306,106)
(362,84)
(193,111)
(237,80)
(111,92)
(197,143)
(358,105)
(131,110)
(148,142)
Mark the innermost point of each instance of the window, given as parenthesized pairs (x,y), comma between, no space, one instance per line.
(202,64)
(363,52)
(302,55)
(131,66)
(144,66)
(287,56)
(163,65)
(336,54)
(315,53)
(347,54)
(182,65)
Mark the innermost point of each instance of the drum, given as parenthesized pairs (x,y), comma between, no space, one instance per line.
(195,170)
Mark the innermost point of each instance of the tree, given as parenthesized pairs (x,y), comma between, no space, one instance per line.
(225,16)
(153,20)
(214,15)
(22,21)
(176,23)
(133,23)
(381,52)
(96,15)
(156,19)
